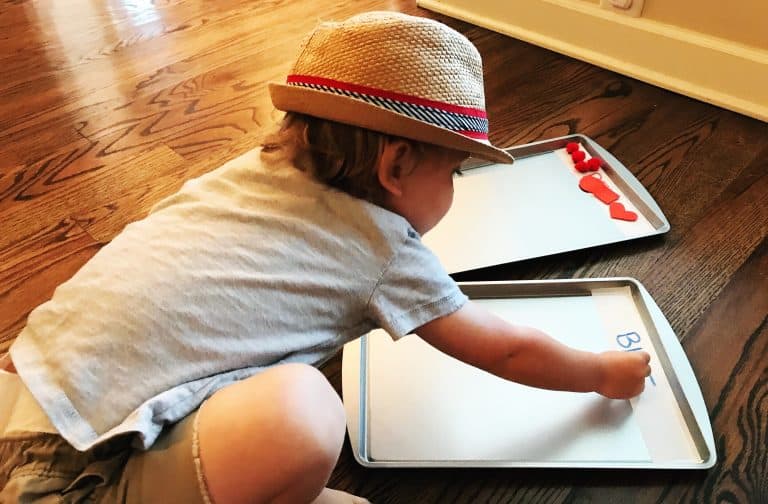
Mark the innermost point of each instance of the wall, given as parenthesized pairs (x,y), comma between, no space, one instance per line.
(694,48)
(744,21)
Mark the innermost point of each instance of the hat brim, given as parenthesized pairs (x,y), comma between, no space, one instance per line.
(356,112)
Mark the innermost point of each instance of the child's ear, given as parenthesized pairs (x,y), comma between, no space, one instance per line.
(394,165)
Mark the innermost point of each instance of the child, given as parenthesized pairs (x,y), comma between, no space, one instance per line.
(177,365)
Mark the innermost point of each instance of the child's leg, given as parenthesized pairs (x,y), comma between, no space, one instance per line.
(274,437)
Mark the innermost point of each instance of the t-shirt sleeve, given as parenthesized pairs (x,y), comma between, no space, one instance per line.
(413,289)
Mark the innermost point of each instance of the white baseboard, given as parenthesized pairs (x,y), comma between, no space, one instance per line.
(715,70)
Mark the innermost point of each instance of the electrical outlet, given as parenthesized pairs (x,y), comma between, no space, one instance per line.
(632,8)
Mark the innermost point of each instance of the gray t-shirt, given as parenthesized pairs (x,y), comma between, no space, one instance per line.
(251,265)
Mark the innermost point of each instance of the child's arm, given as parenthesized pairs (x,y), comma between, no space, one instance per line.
(528,356)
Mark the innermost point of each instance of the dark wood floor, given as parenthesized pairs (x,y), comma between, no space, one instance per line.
(106,107)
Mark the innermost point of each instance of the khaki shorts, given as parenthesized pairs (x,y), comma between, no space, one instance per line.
(41,467)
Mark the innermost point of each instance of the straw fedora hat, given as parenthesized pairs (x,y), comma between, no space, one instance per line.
(397,74)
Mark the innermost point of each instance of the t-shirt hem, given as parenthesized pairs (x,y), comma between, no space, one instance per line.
(67,421)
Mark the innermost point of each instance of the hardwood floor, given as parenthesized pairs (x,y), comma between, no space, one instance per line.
(106,107)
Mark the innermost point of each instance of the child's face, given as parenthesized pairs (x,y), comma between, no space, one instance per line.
(427,190)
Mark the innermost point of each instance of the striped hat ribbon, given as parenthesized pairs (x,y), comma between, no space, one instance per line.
(467,121)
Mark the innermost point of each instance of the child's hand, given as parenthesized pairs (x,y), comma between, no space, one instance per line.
(622,374)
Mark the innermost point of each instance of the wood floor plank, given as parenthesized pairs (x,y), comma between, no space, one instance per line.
(164,115)
(724,330)
(33,266)
(73,180)
(35,142)
(104,221)
(102,80)
(223,137)
(72,37)
(74,43)
(741,419)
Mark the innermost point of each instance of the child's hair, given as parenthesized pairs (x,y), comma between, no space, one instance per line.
(339,155)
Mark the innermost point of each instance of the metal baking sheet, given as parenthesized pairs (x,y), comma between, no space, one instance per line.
(409,405)
(534,207)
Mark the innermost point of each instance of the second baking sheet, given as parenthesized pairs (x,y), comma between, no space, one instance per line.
(411,405)
(534,207)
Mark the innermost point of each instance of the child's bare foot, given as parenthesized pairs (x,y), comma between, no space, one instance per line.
(330,496)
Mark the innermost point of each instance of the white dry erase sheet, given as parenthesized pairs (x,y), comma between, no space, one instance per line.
(534,207)
(415,406)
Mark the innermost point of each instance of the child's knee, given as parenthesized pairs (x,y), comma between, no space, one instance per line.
(294,402)
(312,410)
(286,424)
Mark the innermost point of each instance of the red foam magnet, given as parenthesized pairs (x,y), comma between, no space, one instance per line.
(582,167)
(606,196)
(618,211)
(571,147)
(593,184)
(578,156)
(593,164)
